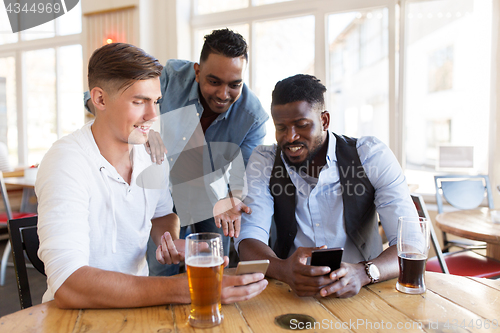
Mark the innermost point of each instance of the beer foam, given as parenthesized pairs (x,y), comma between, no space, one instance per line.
(204,261)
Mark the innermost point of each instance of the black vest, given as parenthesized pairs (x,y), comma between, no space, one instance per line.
(358,196)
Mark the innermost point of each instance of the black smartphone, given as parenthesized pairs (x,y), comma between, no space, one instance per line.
(327,257)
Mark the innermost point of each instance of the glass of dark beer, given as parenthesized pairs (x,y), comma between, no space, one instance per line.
(205,264)
(413,248)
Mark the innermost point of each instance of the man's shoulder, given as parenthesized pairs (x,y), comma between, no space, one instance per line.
(178,67)
(264,154)
(76,149)
(249,104)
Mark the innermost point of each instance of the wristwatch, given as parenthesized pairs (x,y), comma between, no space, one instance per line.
(372,271)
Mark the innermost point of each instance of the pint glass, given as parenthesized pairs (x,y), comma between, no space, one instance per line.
(205,264)
(413,248)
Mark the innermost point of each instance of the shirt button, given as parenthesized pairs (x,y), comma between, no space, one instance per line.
(317,224)
(171,159)
(197,114)
(184,138)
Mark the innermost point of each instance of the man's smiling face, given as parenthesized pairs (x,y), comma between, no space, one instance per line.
(301,130)
(221,80)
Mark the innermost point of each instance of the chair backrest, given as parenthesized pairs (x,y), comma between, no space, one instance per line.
(419,203)
(463,191)
(5,198)
(24,238)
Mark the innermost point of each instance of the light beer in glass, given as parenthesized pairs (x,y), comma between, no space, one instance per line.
(205,264)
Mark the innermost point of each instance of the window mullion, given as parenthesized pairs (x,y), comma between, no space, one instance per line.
(58,95)
(22,137)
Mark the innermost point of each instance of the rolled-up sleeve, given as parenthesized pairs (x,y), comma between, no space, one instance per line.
(258,224)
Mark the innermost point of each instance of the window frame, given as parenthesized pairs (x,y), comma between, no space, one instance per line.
(321,9)
(17,50)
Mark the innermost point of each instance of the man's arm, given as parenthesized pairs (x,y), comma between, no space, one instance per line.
(90,287)
(227,211)
(350,278)
(305,280)
(392,200)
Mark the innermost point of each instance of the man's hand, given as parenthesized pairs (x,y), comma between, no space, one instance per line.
(305,280)
(239,288)
(227,213)
(170,251)
(155,147)
(348,280)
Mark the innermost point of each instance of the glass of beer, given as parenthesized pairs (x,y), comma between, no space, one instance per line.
(205,264)
(413,248)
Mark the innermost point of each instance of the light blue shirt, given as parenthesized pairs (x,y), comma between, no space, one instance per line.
(319,209)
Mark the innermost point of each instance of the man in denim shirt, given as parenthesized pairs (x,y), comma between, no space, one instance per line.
(210,121)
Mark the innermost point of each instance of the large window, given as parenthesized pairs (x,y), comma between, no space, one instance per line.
(40,85)
(348,50)
(447,88)
(424,90)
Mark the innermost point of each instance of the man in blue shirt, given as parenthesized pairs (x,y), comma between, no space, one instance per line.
(324,191)
(211,122)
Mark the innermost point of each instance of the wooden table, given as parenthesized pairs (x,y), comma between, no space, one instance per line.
(449,302)
(28,202)
(473,224)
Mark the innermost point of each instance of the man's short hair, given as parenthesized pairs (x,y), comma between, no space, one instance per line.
(224,42)
(300,87)
(118,65)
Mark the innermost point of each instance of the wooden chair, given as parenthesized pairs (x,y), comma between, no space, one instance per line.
(464,262)
(462,192)
(4,217)
(25,243)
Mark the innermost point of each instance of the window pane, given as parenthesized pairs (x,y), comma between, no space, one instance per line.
(447,86)
(70,88)
(6,35)
(282,48)
(358,82)
(71,22)
(214,6)
(40,99)
(8,113)
(45,30)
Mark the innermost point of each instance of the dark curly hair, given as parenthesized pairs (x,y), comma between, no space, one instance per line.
(225,42)
(300,87)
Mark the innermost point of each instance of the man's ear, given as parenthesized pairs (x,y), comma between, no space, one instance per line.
(97,96)
(325,120)
(196,67)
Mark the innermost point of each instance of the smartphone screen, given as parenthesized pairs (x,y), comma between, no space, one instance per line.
(327,257)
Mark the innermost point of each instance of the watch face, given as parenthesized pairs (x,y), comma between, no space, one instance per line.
(374,272)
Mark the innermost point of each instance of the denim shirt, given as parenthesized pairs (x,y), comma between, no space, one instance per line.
(243,124)
(319,208)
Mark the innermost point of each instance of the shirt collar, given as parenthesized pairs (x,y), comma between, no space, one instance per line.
(331,154)
(193,94)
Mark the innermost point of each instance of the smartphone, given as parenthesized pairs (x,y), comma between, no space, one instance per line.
(327,257)
(252,266)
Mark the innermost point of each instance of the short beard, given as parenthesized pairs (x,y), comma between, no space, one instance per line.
(304,165)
